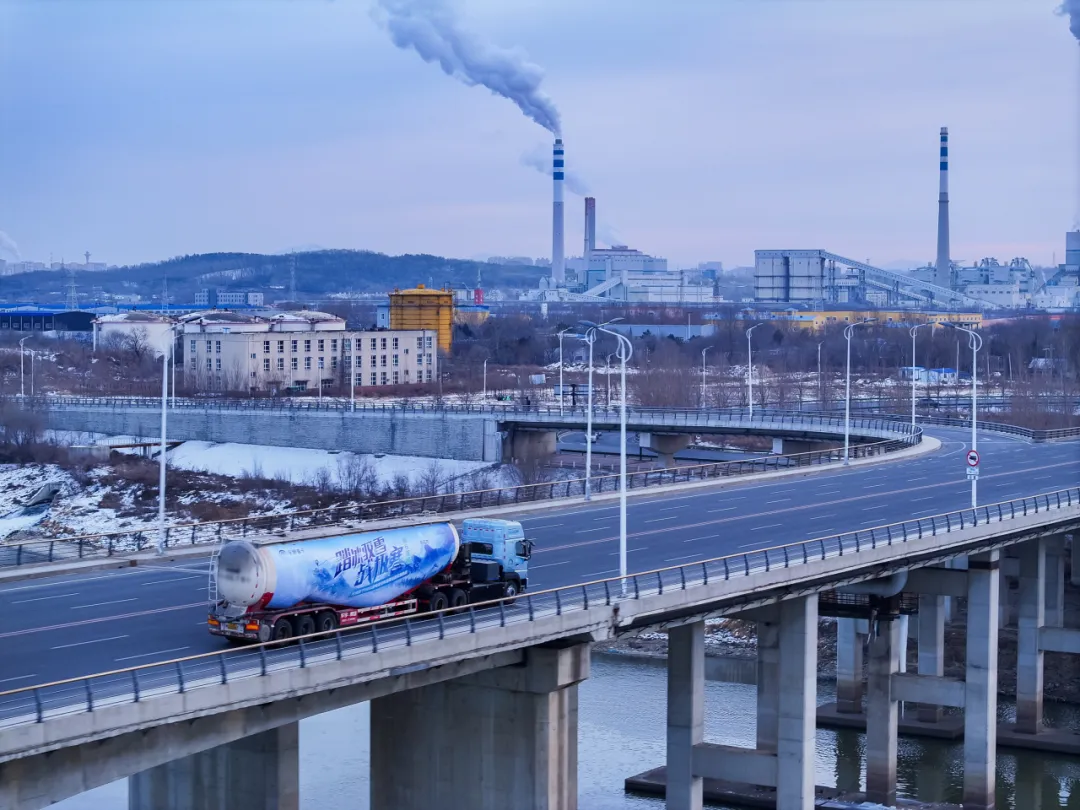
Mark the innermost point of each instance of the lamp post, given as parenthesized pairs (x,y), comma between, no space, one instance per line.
(162,531)
(483,396)
(820,389)
(703,352)
(590,338)
(22,370)
(607,403)
(561,333)
(913,331)
(750,367)
(848,330)
(975,341)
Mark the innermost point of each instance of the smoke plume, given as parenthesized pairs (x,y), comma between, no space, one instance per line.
(1072,9)
(7,245)
(431,28)
(540,159)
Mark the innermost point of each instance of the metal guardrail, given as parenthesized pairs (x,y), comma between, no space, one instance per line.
(35,704)
(1035,434)
(111,544)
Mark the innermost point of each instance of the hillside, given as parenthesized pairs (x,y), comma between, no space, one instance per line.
(318,273)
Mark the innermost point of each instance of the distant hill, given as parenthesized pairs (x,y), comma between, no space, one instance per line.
(318,273)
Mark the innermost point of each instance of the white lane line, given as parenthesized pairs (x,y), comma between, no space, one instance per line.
(769,526)
(879,506)
(671,509)
(919,478)
(823,533)
(827,491)
(822,517)
(927,498)
(873,486)
(148,655)
(91,641)
(781,500)
(100,604)
(43,598)
(695,539)
(126,572)
(545,526)
(630,550)
(683,557)
(659,520)
(597,529)
(601,573)
(17,678)
(725,509)
(163,581)
(550,565)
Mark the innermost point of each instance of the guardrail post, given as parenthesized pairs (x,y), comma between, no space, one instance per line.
(224,670)
(472,619)
(37,705)
(746,563)
(262,658)
(607,592)
(682,576)
(637,590)
(375,638)
(180,675)
(303,652)
(529,603)
(584,597)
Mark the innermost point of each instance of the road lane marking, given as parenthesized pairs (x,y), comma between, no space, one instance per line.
(782,500)
(601,573)
(597,529)
(725,509)
(149,654)
(658,520)
(549,565)
(66,625)
(17,678)
(878,506)
(72,580)
(822,517)
(683,557)
(695,539)
(927,498)
(671,509)
(43,598)
(100,604)
(873,486)
(768,526)
(91,641)
(918,478)
(163,581)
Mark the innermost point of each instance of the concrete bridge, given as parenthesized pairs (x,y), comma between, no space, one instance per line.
(481,705)
(473,432)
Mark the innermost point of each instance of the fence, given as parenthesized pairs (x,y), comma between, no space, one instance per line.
(134,540)
(134,684)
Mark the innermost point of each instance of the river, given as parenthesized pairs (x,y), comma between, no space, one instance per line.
(621,714)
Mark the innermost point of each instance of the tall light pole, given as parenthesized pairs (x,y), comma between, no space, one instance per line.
(820,389)
(625,351)
(848,330)
(483,396)
(913,331)
(703,352)
(161,453)
(607,403)
(590,338)
(975,341)
(22,369)
(750,367)
(561,333)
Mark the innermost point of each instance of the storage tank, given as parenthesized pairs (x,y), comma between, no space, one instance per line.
(353,570)
(424,309)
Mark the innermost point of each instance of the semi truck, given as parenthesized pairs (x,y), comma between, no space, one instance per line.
(273,591)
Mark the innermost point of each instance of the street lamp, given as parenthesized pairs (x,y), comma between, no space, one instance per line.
(607,403)
(483,397)
(750,368)
(820,390)
(975,341)
(848,330)
(22,370)
(590,338)
(913,331)
(703,351)
(161,453)
(561,389)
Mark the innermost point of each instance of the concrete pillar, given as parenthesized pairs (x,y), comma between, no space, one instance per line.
(685,714)
(980,699)
(931,647)
(1055,582)
(1074,562)
(768,684)
(798,703)
(528,445)
(503,737)
(1029,656)
(849,667)
(882,714)
(260,772)
(666,445)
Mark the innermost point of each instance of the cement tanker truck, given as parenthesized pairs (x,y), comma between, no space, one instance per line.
(273,591)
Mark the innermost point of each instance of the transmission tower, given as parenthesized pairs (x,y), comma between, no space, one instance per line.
(164,295)
(72,294)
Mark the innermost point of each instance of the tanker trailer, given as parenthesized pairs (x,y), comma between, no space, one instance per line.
(273,590)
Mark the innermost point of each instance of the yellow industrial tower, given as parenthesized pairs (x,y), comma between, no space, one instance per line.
(424,309)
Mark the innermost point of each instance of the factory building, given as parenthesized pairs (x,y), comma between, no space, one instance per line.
(136,326)
(228,298)
(818,320)
(424,310)
(300,351)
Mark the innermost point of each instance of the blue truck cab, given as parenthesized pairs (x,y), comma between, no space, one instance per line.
(502,542)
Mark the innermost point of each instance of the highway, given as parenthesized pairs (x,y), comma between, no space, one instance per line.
(77,625)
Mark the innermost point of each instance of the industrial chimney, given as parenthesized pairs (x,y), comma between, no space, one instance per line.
(943,273)
(558,260)
(590,226)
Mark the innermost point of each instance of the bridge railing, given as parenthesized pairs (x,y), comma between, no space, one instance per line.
(1035,434)
(35,704)
(128,541)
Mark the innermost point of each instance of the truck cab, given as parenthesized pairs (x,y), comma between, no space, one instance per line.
(502,543)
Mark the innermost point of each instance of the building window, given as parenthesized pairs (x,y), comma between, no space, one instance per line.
(429,359)
(347,362)
(429,375)
(373,349)
(266,364)
(382,378)
(218,364)
(266,347)
(406,375)
(394,341)
(307,364)
(281,364)
(333,344)
(359,360)
(429,342)
(293,364)
(374,378)
(382,343)
(281,347)
(322,344)
(359,379)
(395,361)
(382,360)
(307,345)
(396,378)
(322,362)
(253,375)
(208,347)
(419,343)
(346,345)
(293,344)
(209,364)
(194,343)
(333,362)
(194,364)
(373,363)
(217,347)
(253,355)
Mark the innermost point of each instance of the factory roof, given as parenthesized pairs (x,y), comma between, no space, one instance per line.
(219,316)
(133,316)
(420,289)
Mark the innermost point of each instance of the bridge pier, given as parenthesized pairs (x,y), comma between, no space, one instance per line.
(784,756)
(502,738)
(931,648)
(527,445)
(260,772)
(882,712)
(1055,582)
(850,636)
(665,445)
(980,693)
(1029,654)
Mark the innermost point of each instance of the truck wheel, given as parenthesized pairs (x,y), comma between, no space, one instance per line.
(437,602)
(326,622)
(510,590)
(458,599)
(282,630)
(305,625)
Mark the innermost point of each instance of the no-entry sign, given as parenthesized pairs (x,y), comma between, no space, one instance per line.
(973,458)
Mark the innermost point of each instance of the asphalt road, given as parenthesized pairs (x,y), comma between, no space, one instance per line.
(72,626)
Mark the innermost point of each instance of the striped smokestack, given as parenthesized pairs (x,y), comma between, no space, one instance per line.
(590,226)
(558,261)
(943,267)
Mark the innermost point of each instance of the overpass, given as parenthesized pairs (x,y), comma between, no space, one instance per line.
(481,705)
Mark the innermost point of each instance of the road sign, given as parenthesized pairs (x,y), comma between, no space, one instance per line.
(972,472)
(973,458)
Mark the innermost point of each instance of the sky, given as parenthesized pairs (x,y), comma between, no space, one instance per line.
(706,129)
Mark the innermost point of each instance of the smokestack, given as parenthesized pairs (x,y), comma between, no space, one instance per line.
(590,226)
(558,261)
(943,274)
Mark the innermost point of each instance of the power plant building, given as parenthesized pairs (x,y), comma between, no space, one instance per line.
(426,310)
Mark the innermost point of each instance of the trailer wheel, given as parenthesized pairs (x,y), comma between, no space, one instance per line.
(326,622)
(281,630)
(458,599)
(305,625)
(510,590)
(437,602)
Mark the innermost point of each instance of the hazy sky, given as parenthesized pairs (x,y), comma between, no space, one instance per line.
(143,129)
